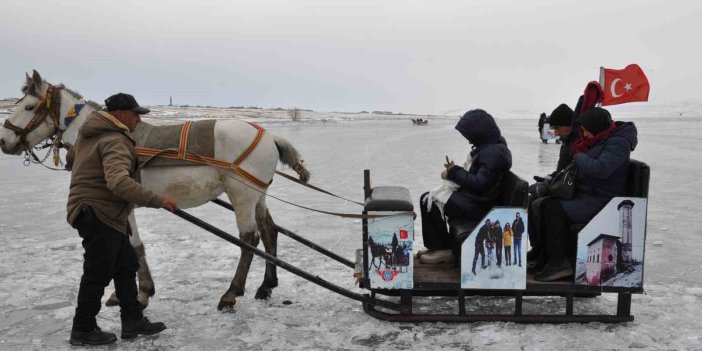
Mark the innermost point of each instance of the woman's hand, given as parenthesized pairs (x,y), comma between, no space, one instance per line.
(447,166)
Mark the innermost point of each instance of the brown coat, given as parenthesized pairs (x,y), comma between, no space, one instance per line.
(104,172)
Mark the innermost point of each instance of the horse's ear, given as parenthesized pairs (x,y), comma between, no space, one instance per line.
(36,79)
(28,82)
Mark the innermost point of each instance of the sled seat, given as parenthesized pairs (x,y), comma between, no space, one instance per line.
(637,180)
(389,198)
(515,193)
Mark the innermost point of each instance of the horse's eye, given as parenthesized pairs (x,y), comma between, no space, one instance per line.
(29,107)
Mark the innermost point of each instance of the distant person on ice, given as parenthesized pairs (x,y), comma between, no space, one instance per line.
(542,121)
(469,191)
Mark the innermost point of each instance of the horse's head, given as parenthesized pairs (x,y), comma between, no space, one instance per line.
(39,115)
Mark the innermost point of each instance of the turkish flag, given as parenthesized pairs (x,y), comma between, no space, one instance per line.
(625,85)
(404,234)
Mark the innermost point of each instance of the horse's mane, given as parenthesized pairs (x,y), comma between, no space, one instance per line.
(75,94)
(29,89)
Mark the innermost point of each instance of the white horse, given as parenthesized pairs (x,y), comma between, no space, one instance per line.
(41,115)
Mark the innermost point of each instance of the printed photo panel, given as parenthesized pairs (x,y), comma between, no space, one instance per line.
(611,246)
(390,259)
(493,258)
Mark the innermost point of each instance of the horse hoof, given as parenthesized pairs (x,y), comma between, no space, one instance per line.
(143,299)
(112,301)
(264,293)
(227,302)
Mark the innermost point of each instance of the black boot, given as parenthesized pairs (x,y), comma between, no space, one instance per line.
(93,337)
(130,329)
(554,270)
(536,265)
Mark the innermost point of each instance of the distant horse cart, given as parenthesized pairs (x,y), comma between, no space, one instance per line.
(420,121)
(607,251)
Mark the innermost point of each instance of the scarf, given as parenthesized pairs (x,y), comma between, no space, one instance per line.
(441,194)
(583,144)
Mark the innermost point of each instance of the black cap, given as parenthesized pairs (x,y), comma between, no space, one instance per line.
(562,116)
(122,101)
(595,120)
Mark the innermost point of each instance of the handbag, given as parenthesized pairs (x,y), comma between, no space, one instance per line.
(563,184)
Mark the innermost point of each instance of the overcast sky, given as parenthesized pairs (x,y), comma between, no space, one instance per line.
(438,57)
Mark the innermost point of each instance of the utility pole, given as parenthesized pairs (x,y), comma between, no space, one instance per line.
(171,101)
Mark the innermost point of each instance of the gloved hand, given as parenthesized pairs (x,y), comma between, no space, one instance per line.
(547,178)
(538,189)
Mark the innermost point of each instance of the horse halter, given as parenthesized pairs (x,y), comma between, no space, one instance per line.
(49,105)
(46,106)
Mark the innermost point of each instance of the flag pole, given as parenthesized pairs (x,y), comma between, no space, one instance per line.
(602,82)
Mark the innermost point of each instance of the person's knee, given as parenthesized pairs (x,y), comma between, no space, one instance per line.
(554,207)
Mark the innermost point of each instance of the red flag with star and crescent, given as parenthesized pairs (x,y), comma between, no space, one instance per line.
(625,85)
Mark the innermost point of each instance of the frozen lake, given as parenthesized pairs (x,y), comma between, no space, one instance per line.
(41,256)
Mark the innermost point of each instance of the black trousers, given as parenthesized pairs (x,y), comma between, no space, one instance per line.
(556,229)
(108,256)
(536,237)
(498,253)
(479,250)
(434,230)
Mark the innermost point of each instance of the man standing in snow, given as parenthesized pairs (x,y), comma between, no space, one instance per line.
(480,245)
(517,231)
(103,192)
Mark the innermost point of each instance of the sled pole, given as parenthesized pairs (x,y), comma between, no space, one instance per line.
(297,237)
(282,264)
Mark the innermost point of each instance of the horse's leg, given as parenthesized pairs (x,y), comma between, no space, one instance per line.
(146,283)
(269,236)
(244,207)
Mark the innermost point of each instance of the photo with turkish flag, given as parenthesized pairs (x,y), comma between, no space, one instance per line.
(625,85)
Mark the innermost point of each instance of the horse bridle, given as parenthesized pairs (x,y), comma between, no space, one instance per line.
(50,105)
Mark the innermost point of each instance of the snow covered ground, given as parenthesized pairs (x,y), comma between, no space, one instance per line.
(41,256)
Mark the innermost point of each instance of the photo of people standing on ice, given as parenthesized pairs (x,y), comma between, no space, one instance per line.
(494,255)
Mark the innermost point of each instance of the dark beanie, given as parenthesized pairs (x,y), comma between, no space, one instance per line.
(595,120)
(562,116)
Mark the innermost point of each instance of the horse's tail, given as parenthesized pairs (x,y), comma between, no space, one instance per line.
(290,157)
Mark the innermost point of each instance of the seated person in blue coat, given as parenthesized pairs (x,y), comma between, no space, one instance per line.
(601,161)
(471,190)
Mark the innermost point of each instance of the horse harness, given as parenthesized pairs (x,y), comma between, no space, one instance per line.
(182,154)
(49,105)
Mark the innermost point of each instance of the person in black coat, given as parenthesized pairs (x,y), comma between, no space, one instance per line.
(479,185)
(480,245)
(602,160)
(497,236)
(561,120)
(517,231)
